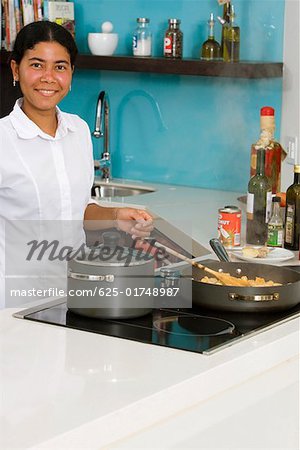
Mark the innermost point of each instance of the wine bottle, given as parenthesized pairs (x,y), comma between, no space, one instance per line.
(259,202)
(231,45)
(292,213)
(274,151)
(211,48)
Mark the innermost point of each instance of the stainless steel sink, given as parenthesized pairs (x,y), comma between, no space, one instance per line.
(103,190)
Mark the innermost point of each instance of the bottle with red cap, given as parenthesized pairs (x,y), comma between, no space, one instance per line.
(274,153)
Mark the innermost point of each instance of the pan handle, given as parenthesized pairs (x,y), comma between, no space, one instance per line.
(254,298)
(88,277)
(219,249)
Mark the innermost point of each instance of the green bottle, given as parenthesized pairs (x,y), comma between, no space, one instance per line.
(292,213)
(231,45)
(224,22)
(275,225)
(259,203)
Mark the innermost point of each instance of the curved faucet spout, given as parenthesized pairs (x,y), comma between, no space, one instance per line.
(102,130)
(97,133)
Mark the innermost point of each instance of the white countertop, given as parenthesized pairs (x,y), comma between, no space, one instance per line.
(68,389)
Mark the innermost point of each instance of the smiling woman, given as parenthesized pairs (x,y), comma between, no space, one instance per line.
(42,62)
(45,75)
(47,170)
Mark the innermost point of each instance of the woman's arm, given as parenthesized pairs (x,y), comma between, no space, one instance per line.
(137,222)
(98,217)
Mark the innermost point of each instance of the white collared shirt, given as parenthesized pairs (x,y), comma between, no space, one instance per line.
(44,177)
(45,185)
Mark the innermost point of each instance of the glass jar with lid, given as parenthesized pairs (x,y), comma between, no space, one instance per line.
(142,38)
(173,41)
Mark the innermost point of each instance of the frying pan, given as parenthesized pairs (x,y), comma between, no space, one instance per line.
(247,299)
(242,298)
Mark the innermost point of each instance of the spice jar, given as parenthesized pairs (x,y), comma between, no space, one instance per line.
(173,41)
(142,38)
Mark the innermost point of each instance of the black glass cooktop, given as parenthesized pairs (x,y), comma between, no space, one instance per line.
(196,330)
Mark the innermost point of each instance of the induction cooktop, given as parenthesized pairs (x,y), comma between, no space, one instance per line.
(191,329)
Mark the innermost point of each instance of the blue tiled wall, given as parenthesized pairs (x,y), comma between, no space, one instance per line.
(175,129)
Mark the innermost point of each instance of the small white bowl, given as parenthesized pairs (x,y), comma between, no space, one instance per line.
(103,44)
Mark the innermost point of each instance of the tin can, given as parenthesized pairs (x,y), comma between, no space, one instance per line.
(229,226)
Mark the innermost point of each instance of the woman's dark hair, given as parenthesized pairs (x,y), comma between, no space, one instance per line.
(43,31)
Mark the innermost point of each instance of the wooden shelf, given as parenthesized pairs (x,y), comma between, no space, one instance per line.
(242,69)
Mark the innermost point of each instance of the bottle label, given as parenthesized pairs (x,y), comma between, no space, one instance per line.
(275,235)
(268,206)
(134,41)
(250,206)
(289,224)
(168,44)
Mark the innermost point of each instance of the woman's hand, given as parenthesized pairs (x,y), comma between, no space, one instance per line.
(136,222)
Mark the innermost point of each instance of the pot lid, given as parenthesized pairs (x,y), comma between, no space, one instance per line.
(112,253)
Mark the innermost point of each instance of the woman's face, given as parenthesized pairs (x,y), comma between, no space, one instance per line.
(45,76)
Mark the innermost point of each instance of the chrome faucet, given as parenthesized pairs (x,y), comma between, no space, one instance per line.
(102,130)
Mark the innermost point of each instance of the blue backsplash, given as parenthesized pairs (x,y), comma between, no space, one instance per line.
(175,129)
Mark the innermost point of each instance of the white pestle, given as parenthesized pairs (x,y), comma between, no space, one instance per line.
(107,27)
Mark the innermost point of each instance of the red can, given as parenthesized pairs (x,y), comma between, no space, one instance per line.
(229,226)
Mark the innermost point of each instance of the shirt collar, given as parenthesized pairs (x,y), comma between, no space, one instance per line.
(27,129)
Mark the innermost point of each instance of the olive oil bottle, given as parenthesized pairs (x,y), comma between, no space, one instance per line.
(259,203)
(231,46)
(224,22)
(292,213)
(211,48)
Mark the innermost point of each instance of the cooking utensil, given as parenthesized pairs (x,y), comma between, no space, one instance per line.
(111,281)
(243,298)
(227,280)
(219,249)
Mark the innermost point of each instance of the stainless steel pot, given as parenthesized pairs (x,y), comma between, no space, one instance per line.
(111,281)
(247,299)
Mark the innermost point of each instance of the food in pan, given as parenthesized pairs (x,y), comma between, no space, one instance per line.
(256,252)
(258,282)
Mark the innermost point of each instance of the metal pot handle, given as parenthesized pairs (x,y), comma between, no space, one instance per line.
(87,277)
(254,298)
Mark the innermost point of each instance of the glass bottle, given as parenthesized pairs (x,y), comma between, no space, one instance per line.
(274,151)
(259,201)
(211,48)
(292,213)
(173,41)
(275,225)
(231,45)
(142,38)
(225,22)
